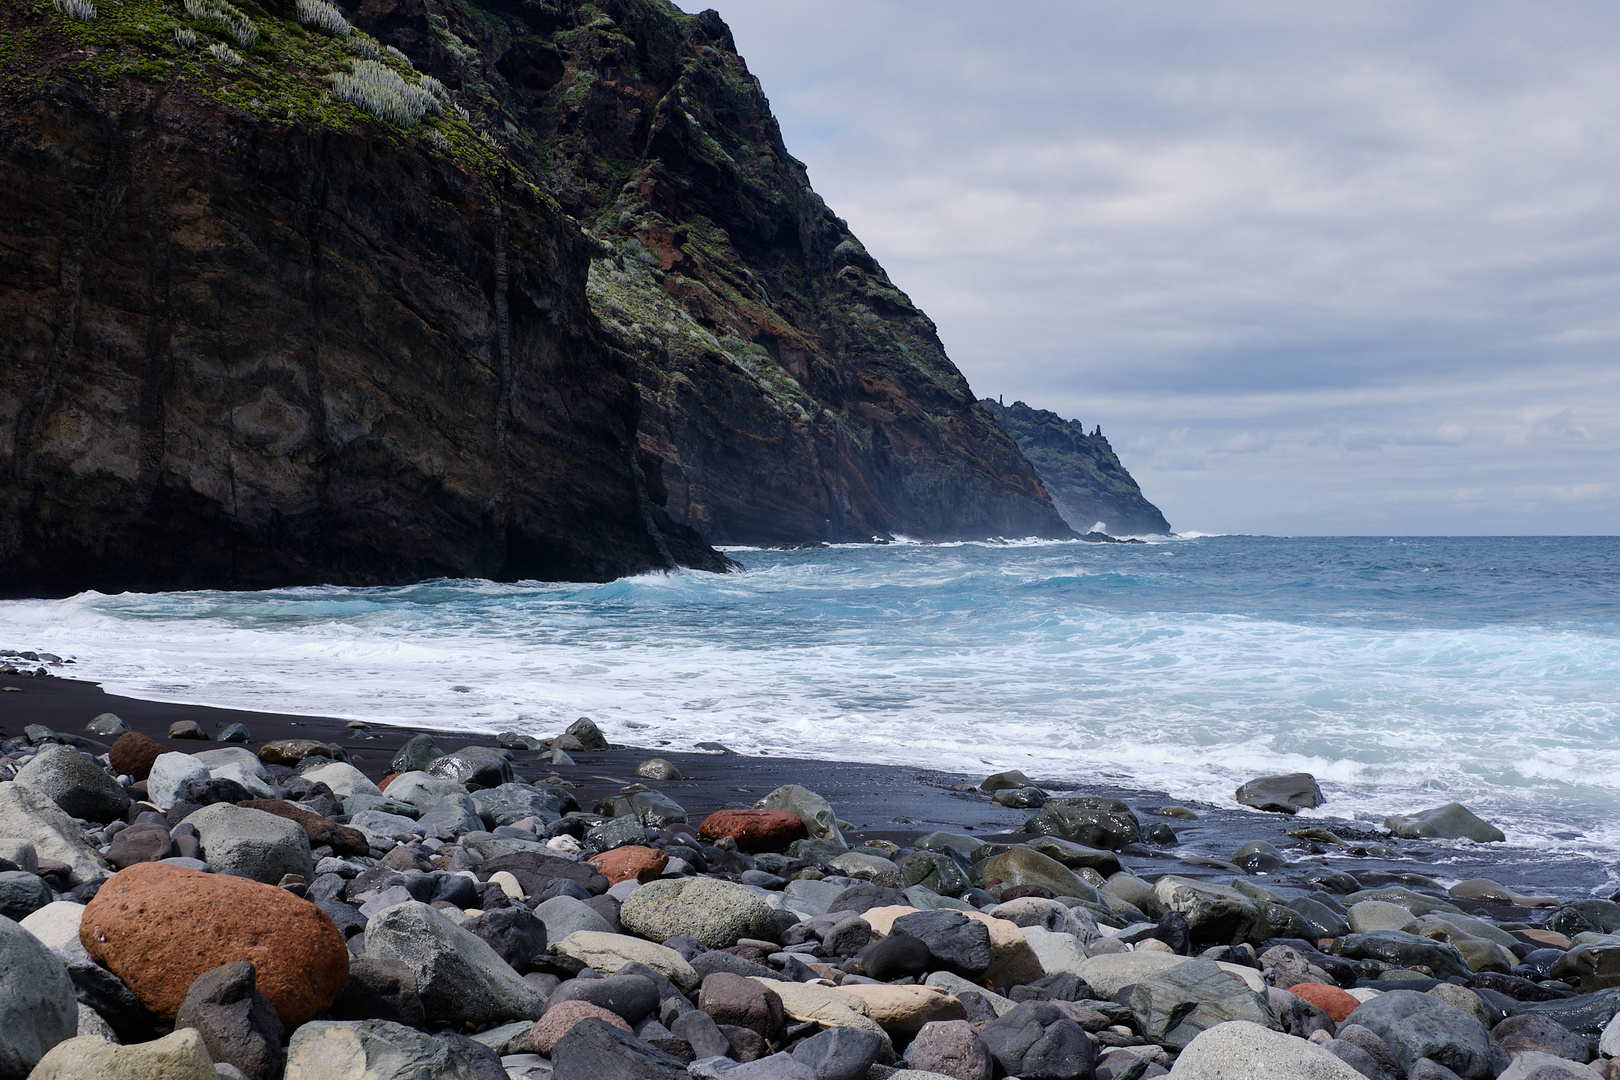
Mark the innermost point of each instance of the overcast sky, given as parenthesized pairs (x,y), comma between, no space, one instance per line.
(1314,268)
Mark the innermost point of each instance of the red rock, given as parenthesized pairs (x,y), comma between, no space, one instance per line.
(159,927)
(382,785)
(1330,999)
(624,863)
(754,830)
(550,1028)
(133,753)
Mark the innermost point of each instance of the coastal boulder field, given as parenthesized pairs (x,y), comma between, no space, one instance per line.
(280,912)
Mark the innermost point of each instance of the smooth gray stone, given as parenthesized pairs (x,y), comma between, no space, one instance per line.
(26,814)
(450,817)
(507,803)
(37,1004)
(475,766)
(1416,1025)
(1175,1005)
(74,781)
(564,914)
(1451,821)
(262,846)
(1404,950)
(458,976)
(416,755)
(330,1049)
(362,801)
(170,774)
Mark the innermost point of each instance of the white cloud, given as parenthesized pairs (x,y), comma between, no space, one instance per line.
(1362,258)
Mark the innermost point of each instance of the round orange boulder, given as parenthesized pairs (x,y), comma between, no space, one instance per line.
(158,927)
(1330,999)
(624,863)
(133,753)
(754,830)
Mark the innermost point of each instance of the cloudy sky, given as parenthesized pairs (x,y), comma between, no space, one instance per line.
(1314,268)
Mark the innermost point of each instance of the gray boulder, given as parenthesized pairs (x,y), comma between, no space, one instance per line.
(1452,821)
(933,871)
(261,846)
(717,913)
(72,780)
(22,894)
(1215,914)
(651,808)
(450,817)
(955,942)
(475,766)
(631,997)
(506,803)
(458,976)
(107,725)
(416,755)
(589,735)
(1416,1025)
(1037,1041)
(1174,1006)
(1094,822)
(820,823)
(1585,1014)
(1286,794)
(840,1053)
(374,1049)
(170,774)
(1405,950)
(562,915)
(952,1048)
(595,1050)
(26,814)
(37,1005)
(1245,1051)
(238,1024)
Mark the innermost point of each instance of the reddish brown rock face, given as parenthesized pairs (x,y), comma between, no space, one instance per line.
(340,838)
(624,863)
(1330,999)
(754,830)
(732,999)
(133,753)
(159,927)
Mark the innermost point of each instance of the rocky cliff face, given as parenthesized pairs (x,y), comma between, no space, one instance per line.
(1084,475)
(789,390)
(252,338)
(404,288)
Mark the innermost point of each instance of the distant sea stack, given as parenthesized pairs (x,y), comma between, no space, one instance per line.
(1085,478)
(372,293)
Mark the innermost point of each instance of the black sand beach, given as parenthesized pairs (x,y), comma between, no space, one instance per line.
(880,801)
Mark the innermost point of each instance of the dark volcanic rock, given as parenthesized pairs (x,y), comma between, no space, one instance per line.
(244,353)
(594,1050)
(237,1022)
(1081,472)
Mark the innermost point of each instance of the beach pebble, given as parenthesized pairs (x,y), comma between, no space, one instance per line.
(22,894)
(1037,1039)
(30,817)
(630,863)
(513,932)
(1416,1025)
(1094,822)
(254,843)
(715,912)
(458,976)
(343,778)
(839,1053)
(74,781)
(1451,821)
(629,996)
(38,1008)
(381,990)
(1398,949)
(594,1049)
(1173,1006)
(107,725)
(159,927)
(1330,999)
(474,766)
(951,1048)
(133,754)
(742,1002)
(232,733)
(293,751)
(187,729)
(1021,866)
(754,830)
(657,769)
(560,1018)
(1215,914)
(903,1010)
(506,804)
(607,953)
(345,1050)
(180,1056)
(955,942)
(1287,794)
(1521,1034)
(170,774)
(1247,1051)
(238,1024)
(820,823)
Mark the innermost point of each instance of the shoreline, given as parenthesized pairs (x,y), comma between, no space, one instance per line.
(881,801)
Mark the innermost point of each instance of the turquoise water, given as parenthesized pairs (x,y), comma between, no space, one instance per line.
(1402,672)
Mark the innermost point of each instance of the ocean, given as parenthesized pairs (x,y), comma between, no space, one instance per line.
(1402,672)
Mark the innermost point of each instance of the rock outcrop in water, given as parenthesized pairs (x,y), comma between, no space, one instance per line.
(571,305)
(1082,473)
